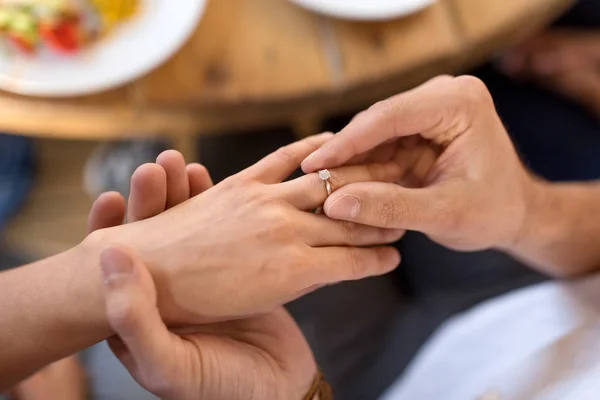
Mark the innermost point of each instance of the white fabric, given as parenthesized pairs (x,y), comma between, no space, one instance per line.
(539,343)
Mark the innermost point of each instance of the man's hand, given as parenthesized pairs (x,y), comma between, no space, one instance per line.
(251,243)
(268,352)
(567,61)
(462,183)
(260,358)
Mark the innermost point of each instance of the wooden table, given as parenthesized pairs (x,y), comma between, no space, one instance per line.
(260,62)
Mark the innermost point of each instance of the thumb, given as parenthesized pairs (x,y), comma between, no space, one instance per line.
(384,205)
(130,298)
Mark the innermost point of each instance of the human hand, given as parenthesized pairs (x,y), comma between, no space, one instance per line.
(260,358)
(249,245)
(567,61)
(63,380)
(268,352)
(462,182)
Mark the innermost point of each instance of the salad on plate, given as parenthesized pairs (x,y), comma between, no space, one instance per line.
(64,27)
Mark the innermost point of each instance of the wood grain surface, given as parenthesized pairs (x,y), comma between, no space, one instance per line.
(259,62)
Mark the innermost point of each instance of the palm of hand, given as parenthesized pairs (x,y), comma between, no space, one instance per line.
(269,349)
(265,357)
(257,354)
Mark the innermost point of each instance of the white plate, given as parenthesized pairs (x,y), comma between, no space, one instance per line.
(369,10)
(135,48)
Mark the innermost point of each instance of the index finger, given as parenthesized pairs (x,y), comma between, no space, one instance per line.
(437,110)
(277,166)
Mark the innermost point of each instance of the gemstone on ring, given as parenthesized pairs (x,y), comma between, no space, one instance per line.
(324,174)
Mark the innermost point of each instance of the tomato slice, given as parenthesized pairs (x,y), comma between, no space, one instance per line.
(63,37)
(21,44)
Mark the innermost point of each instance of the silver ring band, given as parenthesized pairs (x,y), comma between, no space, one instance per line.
(328,188)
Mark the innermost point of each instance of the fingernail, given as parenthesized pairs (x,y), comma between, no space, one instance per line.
(308,159)
(346,207)
(116,266)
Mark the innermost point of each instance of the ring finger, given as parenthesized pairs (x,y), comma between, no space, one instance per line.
(309,191)
(324,232)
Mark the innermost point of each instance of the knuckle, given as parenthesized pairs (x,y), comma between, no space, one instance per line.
(443,79)
(298,256)
(295,262)
(317,140)
(473,89)
(385,107)
(278,223)
(359,115)
(287,154)
(390,212)
(350,232)
(233,182)
(275,216)
(356,263)
(323,136)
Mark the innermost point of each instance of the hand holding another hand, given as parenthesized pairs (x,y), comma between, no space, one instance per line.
(251,243)
(462,183)
(263,357)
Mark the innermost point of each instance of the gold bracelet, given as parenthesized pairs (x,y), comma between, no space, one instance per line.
(320,389)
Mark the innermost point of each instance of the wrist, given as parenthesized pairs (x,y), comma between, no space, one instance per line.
(126,235)
(307,390)
(319,388)
(537,195)
(550,225)
(89,287)
(55,309)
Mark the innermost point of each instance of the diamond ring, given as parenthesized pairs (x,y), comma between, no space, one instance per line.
(325,175)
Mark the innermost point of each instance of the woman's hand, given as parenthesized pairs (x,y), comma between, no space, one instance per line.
(150,191)
(262,358)
(567,61)
(462,182)
(63,380)
(251,243)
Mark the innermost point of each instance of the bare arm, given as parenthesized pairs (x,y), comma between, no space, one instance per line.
(194,252)
(561,234)
(50,309)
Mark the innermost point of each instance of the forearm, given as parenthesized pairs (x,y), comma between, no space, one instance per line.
(50,309)
(561,234)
